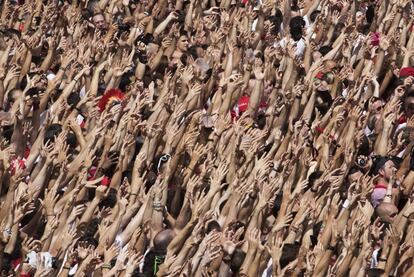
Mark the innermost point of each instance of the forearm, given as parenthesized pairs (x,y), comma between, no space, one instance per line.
(386,81)
(254,267)
(13,239)
(178,241)
(345,265)
(134,223)
(255,97)
(322,267)
(248,260)
(36,187)
(2,91)
(87,215)
(26,65)
(391,259)
(47,62)
(381,146)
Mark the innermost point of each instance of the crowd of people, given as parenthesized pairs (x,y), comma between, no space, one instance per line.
(206,138)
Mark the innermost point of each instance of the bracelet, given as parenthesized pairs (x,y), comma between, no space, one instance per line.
(66,267)
(108,266)
(382,260)
(133,194)
(313,189)
(345,205)
(406,216)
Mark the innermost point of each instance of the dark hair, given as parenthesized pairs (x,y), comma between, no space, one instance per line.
(370,14)
(193,51)
(314,15)
(313,177)
(213,225)
(126,80)
(73,99)
(325,49)
(109,201)
(237,259)
(289,253)
(294,6)
(354,169)
(52,131)
(295,25)
(380,161)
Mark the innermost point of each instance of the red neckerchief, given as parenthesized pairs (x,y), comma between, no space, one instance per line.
(381,186)
(402,119)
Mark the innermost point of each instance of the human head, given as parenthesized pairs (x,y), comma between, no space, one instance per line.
(384,166)
(296,26)
(237,259)
(13,96)
(321,52)
(387,212)
(360,18)
(163,239)
(409,104)
(354,174)
(182,44)
(99,21)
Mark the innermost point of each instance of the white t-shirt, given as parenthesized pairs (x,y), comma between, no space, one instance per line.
(300,46)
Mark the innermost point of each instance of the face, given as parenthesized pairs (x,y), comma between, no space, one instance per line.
(41,81)
(182,44)
(388,169)
(387,212)
(360,18)
(409,106)
(377,106)
(354,176)
(200,52)
(99,21)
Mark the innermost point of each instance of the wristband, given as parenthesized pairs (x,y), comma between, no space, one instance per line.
(108,266)
(345,205)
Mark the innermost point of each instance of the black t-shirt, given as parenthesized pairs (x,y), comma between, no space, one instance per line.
(152,262)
